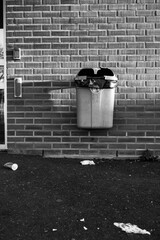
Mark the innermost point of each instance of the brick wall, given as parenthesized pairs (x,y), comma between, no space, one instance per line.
(57,38)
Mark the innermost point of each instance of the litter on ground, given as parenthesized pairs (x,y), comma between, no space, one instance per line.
(11,165)
(54,229)
(129,228)
(87,162)
(85,228)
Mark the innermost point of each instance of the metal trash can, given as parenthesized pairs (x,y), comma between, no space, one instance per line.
(95,92)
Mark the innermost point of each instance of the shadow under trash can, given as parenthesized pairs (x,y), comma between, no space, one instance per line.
(95,92)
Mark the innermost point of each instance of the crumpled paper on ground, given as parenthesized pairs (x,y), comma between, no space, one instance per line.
(129,228)
(87,162)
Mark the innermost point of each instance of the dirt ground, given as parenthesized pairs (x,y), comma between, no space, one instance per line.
(61,199)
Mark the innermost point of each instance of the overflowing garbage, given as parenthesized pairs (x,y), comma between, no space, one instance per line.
(96,78)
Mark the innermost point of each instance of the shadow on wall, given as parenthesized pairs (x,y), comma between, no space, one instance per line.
(45,112)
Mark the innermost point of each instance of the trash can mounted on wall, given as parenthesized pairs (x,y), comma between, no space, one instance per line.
(95,98)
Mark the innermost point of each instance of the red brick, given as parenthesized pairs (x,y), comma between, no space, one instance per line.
(136,146)
(23,146)
(135,19)
(126,140)
(95,6)
(70,152)
(33,139)
(42,146)
(17,139)
(125,39)
(70,139)
(16,2)
(52,127)
(152,133)
(99,146)
(51,153)
(42,133)
(153,146)
(24,121)
(136,133)
(52,139)
(145,140)
(79,146)
(42,121)
(33,127)
(24,133)
(114,133)
(88,152)
(61,145)
(117,146)
(79,133)
(126,153)
(89,139)
(69,1)
(30,2)
(22,9)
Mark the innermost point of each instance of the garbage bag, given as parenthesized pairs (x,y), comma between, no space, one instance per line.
(103,78)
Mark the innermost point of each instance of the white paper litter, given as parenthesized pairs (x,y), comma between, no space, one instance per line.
(85,228)
(87,162)
(82,220)
(13,166)
(54,229)
(129,228)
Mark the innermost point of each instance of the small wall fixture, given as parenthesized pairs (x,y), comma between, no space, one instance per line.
(16,53)
(18,87)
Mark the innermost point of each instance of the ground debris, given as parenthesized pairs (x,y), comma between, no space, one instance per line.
(129,228)
(11,165)
(54,230)
(87,162)
(85,228)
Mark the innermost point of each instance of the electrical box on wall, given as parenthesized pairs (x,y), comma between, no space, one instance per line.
(18,87)
(16,53)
